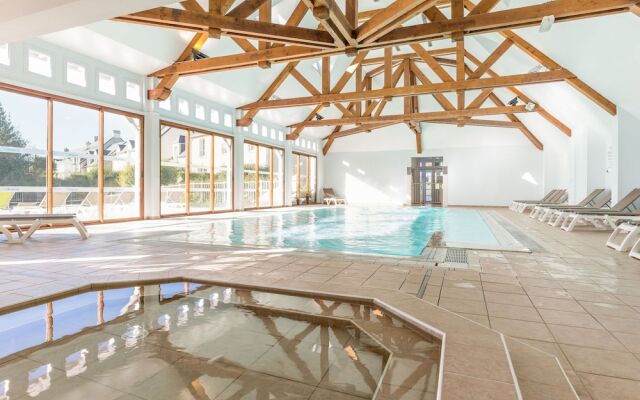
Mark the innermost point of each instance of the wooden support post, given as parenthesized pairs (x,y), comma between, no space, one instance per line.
(460,76)
(326,75)
(388,55)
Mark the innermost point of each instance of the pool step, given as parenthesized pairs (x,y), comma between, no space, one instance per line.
(539,374)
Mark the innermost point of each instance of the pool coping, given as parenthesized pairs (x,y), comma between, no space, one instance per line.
(458,335)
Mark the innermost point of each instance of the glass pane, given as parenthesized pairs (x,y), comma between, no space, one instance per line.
(250,153)
(264,160)
(173,169)
(294,178)
(312,178)
(121,166)
(133,92)
(200,172)
(75,160)
(304,189)
(23,152)
(39,63)
(76,74)
(223,171)
(106,83)
(278,177)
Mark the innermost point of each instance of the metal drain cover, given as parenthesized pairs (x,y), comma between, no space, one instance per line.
(456,256)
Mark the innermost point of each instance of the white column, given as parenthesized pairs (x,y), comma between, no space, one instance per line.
(287,172)
(238,170)
(624,160)
(151,157)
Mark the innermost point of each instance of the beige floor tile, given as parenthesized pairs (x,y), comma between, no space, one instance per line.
(557,304)
(464,306)
(630,340)
(577,319)
(608,388)
(521,329)
(507,298)
(603,362)
(596,338)
(467,388)
(611,310)
(513,312)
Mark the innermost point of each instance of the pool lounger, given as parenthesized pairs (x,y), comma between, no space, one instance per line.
(331,197)
(556,215)
(34,222)
(559,198)
(630,233)
(635,251)
(604,218)
(516,203)
(594,200)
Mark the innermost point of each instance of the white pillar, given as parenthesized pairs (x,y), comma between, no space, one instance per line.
(238,170)
(288,155)
(624,160)
(151,157)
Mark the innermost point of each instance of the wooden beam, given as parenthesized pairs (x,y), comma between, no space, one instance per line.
(484,6)
(563,10)
(460,76)
(387,66)
(470,84)
(479,122)
(492,59)
(351,12)
(574,81)
(522,96)
(432,62)
(383,17)
(513,118)
(304,82)
(232,26)
(417,117)
(247,119)
(439,97)
(361,129)
(264,15)
(395,20)
(635,9)
(246,8)
(326,75)
(333,21)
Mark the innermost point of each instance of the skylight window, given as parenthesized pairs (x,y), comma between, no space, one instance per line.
(4,54)
(228,122)
(39,63)
(106,83)
(183,107)
(215,116)
(76,74)
(133,92)
(199,111)
(165,104)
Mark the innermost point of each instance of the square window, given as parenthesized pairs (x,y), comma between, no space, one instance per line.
(281,136)
(133,92)
(76,74)
(265,131)
(165,104)
(302,143)
(227,120)
(245,129)
(199,112)
(315,146)
(254,128)
(273,134)
(215,116)
(39,63)
(107,83)
(183,107)
(4,54)
(297,142)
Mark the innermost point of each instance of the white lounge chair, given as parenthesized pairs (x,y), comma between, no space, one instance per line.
(33,222)
(331,197)
(604,218)
(59,200)
(559,197)
(515,204)
(635,251)
(556,215)
(629,231)
(542,212)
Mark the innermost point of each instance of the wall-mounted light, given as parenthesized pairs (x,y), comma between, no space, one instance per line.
(547,23)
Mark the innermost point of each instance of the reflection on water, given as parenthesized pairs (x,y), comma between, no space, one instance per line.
(390,231)
(190,341)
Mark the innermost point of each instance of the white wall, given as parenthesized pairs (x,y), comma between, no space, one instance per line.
(485,172)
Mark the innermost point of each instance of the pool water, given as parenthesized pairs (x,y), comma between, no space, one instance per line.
(387,231)
(189,341)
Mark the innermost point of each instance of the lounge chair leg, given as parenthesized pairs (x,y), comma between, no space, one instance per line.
(8,234)
(570,223)
(635,251)
(32,229)
(81,228)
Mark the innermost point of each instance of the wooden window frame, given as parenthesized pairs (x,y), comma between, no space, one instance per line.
(188,129)
(50,99)
(272,150)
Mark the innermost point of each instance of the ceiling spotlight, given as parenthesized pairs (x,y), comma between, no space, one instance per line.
(530,106)
(430,43)
(547,23)
(424,19)
(536,69)
(319,117)
(397,48)
(513,102)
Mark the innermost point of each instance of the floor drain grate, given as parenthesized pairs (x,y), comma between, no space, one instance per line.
(456,256)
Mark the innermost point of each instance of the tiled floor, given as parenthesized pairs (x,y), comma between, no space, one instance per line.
(573,298)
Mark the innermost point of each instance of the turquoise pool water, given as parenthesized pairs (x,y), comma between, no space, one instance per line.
(399,231)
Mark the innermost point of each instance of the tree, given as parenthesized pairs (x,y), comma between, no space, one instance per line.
(18,168)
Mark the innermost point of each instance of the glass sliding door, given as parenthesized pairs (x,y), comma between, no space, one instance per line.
(23,154)
(200,172)
(223,173)
(65,156)
(173,170)
(263,176)
(196,171)
(122,168)
(303,178)
(250,175)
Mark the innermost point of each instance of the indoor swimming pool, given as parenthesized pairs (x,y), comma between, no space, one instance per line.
(383,231)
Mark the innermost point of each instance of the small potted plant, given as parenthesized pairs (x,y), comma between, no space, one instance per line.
(307,197)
